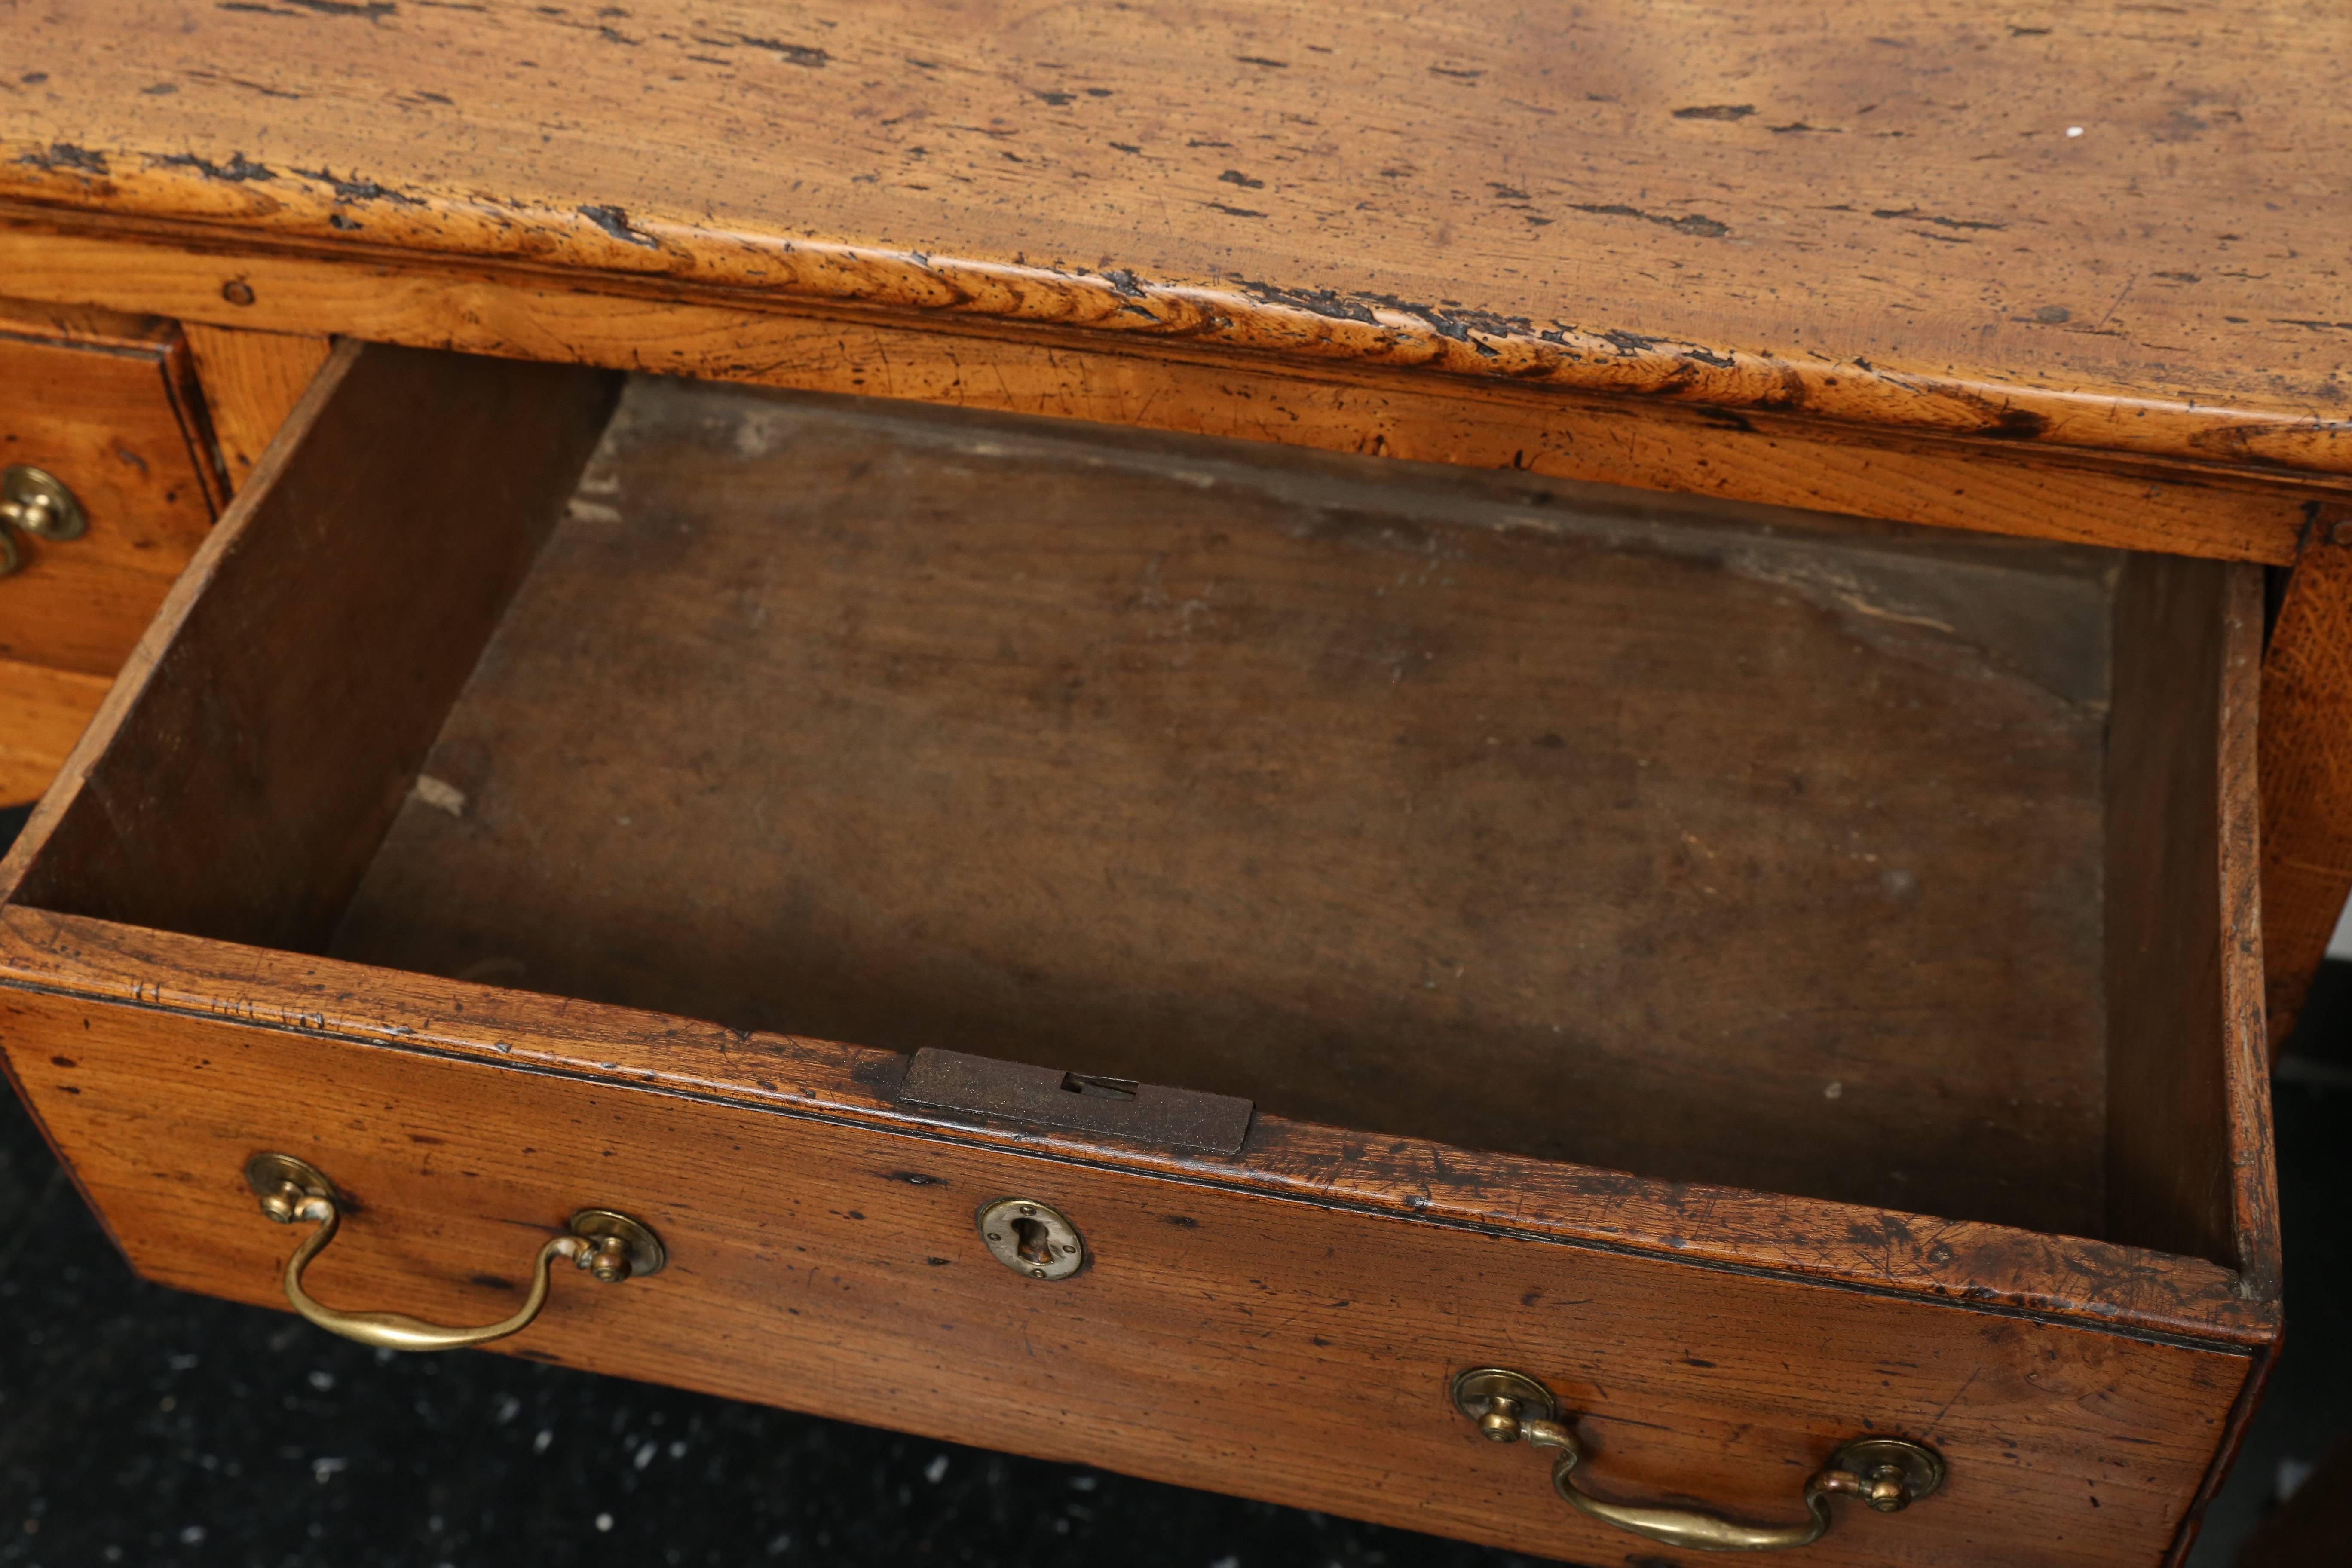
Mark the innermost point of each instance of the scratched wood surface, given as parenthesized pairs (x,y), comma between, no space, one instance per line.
(1411,813)
(824,1259)
(2096,226)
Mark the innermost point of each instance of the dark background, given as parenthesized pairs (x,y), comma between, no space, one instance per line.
(141,1425)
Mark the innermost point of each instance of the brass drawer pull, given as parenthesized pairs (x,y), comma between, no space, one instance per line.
(35,501)
(1888,1473)
(610,1245)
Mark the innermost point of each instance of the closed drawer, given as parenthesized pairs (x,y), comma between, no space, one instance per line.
(107,405)
(1771,980)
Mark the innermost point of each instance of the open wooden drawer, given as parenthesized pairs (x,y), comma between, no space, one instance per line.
(1630,917)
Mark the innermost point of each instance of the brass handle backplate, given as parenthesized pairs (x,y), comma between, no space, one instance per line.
(35,501)
(610,1245)
(1888,1473)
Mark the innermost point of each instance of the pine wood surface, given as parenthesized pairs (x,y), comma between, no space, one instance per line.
(42,711)
(1883,217)
(1386,806)
(1279,1324)
(108,404)
(252,382)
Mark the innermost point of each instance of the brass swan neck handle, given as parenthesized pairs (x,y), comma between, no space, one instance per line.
(1889,1474)
(610,1245)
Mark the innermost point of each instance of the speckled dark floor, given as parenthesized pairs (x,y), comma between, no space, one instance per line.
(144,1427)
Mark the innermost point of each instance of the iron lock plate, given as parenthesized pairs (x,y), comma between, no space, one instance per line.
(956,1084)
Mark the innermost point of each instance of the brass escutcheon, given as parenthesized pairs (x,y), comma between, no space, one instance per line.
(1031,1238)
(1889,1474)
(604,1243)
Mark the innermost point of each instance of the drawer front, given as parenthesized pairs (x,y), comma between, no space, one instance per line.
(108,405)
(1293,1346)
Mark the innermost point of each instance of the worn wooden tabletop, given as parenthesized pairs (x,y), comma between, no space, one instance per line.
(2119,225)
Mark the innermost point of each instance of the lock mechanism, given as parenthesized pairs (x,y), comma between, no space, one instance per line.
(35,503)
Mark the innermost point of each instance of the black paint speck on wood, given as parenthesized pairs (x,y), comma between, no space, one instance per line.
(65,156)
(237,168)
(791,54)
(616,222)
(1689,223)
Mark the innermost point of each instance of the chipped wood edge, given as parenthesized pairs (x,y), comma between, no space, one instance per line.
(592,244)
(514,311)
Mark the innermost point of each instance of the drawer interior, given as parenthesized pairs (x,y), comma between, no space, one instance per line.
(1698,841)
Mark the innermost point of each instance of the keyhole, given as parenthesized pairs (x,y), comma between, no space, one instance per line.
(1031,1239)
(1033,1243)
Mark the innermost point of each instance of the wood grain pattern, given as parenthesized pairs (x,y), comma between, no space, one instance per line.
(2307,765)
(252,382)
(105,402)
(298,668)
(826,1262)
(42,713)
(1782,459)
(1930,218)
(1401,808)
